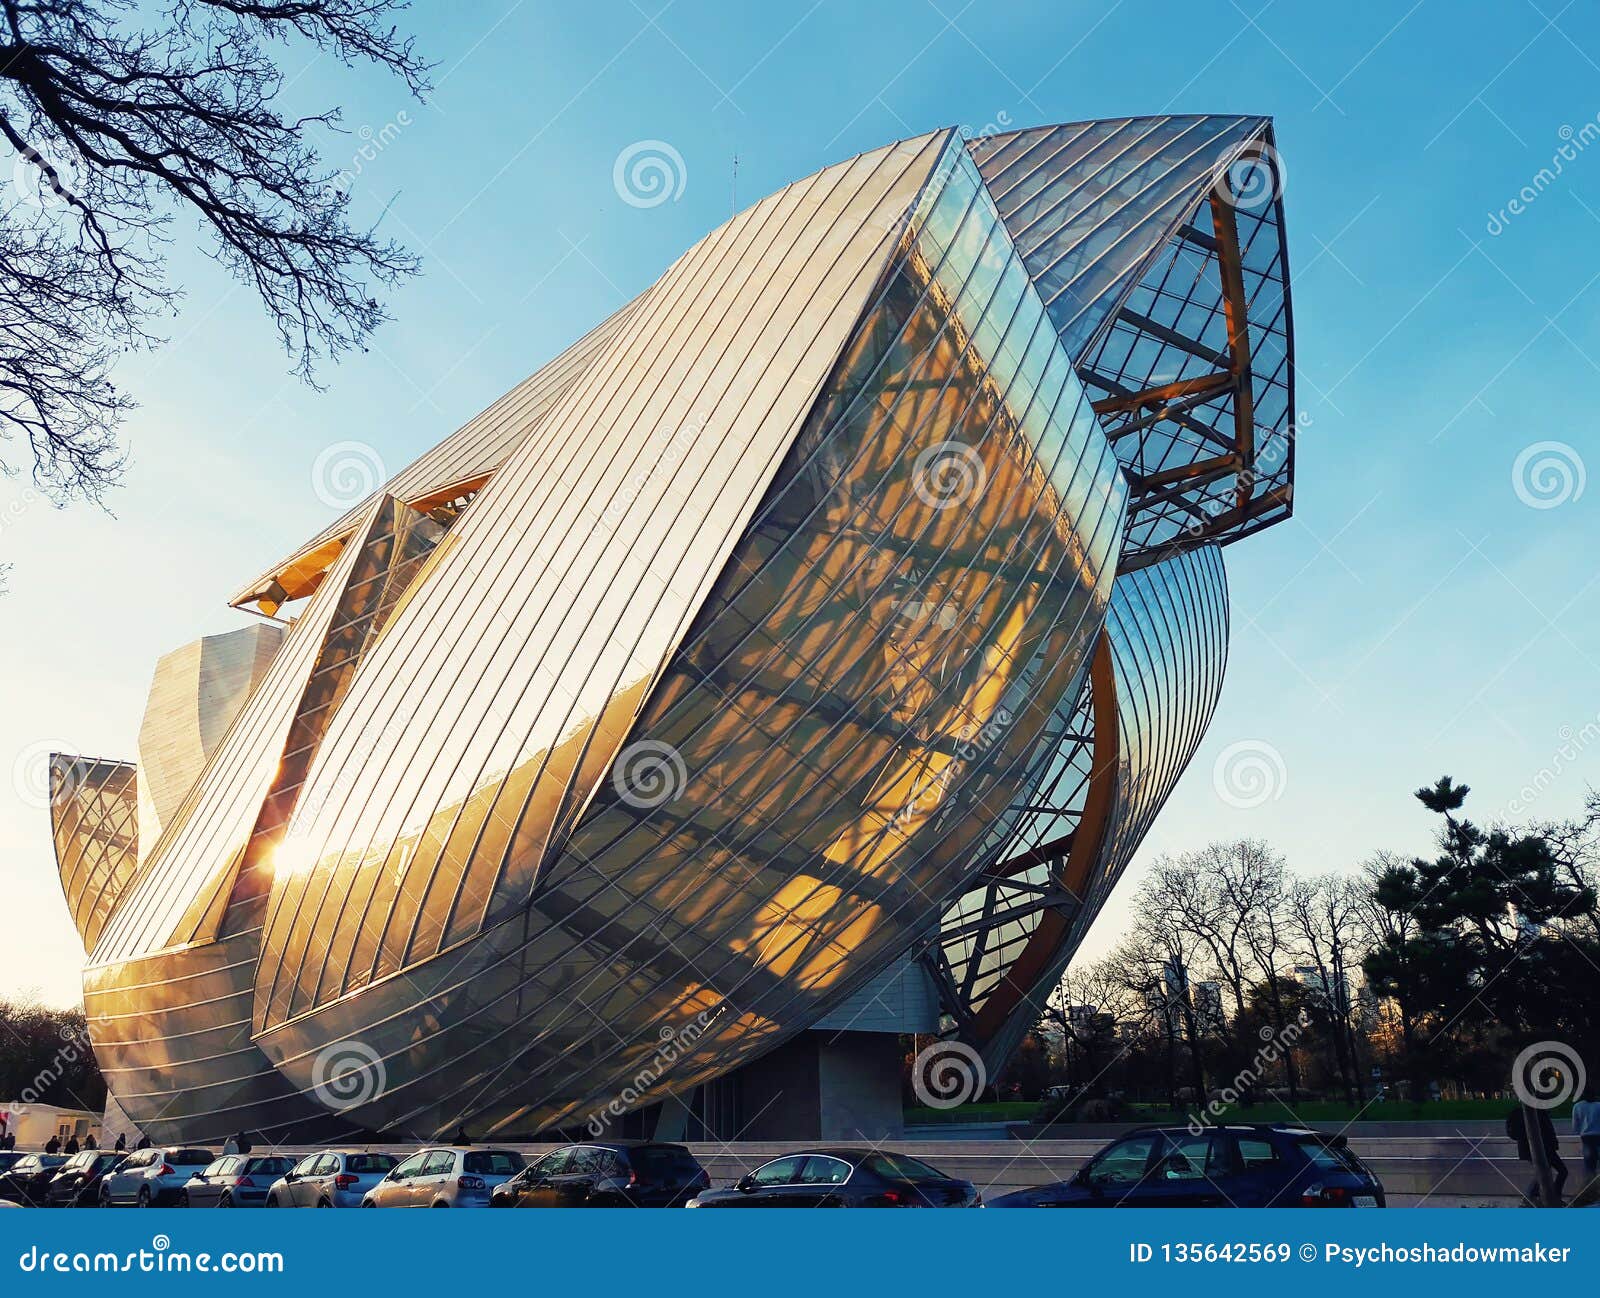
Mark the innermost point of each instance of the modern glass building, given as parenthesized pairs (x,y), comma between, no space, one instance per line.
(794,661)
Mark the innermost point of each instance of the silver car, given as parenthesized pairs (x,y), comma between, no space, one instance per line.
(333,1178)
(445,1177)
(153,1177)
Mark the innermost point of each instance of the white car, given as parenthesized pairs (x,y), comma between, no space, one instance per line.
(454,1177)
(153,1177)
(334,1178)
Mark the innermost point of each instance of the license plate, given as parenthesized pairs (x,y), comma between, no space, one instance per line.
(1366,1201)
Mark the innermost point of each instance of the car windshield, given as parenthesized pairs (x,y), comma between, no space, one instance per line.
(492,1162)
(32,1163)
(358,1163)
(190,1157)
(660,1162)
(897,1167)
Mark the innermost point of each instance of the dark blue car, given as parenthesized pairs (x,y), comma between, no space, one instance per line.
(1216,1167)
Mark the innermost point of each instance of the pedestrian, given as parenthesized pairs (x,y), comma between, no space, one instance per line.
(144,1142)
(1586,1127)
(10,1142)
(122,1142)
(230,1146)
(72,1146)
(1545,1132)
(53,1145)
(241,1142)
(461,1137)
(89,1142)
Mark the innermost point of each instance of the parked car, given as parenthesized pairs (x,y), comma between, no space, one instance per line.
(25,1180)
(843,1178)
(149,1178)
(1238,1166)
(76,1183)
(334,1178)
(445,1178)
(10,1157)
(234,1181)
(606,1174)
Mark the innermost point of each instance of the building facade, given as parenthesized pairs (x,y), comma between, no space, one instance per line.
(795,660)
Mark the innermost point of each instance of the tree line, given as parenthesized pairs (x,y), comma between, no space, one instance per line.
(1397,978)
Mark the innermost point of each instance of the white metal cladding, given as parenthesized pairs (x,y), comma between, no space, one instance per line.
(205,839)
(568,581)
(579,981)
(479,447)
(94,818)
(194,696)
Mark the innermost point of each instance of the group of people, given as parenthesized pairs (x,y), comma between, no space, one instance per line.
(55,1145)
(1585,1126)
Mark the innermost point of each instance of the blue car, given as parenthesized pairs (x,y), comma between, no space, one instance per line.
(1216,1167)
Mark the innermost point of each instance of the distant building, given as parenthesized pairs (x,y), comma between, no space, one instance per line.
(34,1124)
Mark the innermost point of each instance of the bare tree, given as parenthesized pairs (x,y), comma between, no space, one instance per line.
(1326,917)
(125,116)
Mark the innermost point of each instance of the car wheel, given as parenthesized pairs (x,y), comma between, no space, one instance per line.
(367,1203)
(144,1196)
(441,1204)
(183,1198)
(226,1201)
(272,1201)
(105,1196)
(324,1203)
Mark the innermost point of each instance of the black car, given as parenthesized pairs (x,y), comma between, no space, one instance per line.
(1220,1167)
(606,1174)
(843,1178)
(76,1183)
(25,1180)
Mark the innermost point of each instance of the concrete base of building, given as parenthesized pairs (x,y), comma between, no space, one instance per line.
(842,1087)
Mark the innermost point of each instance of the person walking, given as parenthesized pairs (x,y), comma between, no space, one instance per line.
(144,1142)
(1545,1132)
(241,1142)
(53,1145)
(89,1142)
(72,1146)
(1586,1127)
(461,1137)
(122,1142)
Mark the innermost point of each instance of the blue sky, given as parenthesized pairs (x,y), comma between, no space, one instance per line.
(1416,617)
